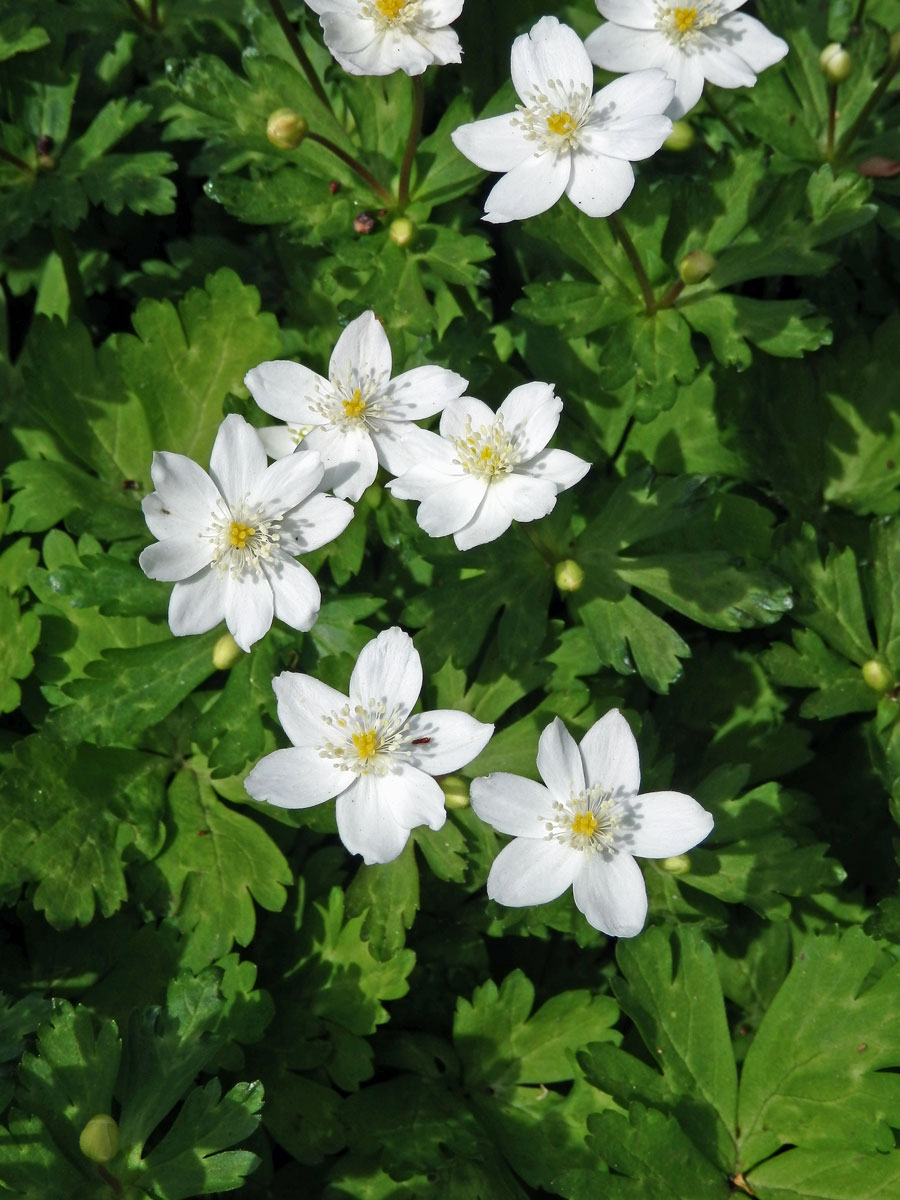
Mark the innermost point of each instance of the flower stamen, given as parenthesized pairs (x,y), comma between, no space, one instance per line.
(682,24)
(486,452)
(241,539)
(591,821)
(368,740)
(355,406)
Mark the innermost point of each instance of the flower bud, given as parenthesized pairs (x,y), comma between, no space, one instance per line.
(569,575)
(286,129)
(695,266)
(226,652)
(678,864)
(364,222)
(401,231)
(99,1140)
(835,63)
(877,675)
(456,791)
(894,46)
(681,138)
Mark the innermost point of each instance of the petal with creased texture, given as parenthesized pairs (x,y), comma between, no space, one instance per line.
(610,892)
(559,761)
(388,671)
(295,778)
(610,755)
(303,704)
(494,144)
(528,189)
(197,604)
(512,804)
(176,558)
(453,739)
(549,52)
(362,349)
(238,458)
(285,390)
(366,823)
(249,607)
(532,871)
(667,823)
(296,593)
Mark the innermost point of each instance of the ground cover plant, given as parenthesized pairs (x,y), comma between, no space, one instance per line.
(449,629)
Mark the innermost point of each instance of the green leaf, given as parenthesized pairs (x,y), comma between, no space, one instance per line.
(629,637)
(387,896)
(19,634)
(115,586)
(49,492)
(839,685)
(825,1174)
(785,328)
(18,35)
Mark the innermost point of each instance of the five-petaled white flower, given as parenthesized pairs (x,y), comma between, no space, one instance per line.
(230,537)
(367,749)
(581,828)
(691,42)
(488,469)
(378,37)
(358,417)
(561,138)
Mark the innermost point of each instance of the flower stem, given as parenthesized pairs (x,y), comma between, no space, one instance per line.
(634,259)
(154,14)
(857,20)
(667,300)
(832,118)
(379,189)
(300,54)
(415,130)
(877,92)
(15,160)
(65,248)
(721,116)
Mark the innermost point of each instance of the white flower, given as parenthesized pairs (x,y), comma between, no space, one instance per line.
(358,417)
(561,138)
(230,538)
(378,37)
(367,750)
(583,826)
(704,40)
(489,469)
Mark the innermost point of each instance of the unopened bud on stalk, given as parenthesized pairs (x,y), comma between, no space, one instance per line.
(877,675)
(569,575)
(456,791)
(835,63)
(682,136)
(99,1140)
(286,129)
(401,231)
(226,652)
(678,864)
(695,266)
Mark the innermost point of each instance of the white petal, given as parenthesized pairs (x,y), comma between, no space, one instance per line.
(284,389)
(249,607)
(238,458)
(620,48)
(559,466)
(494,144)
(611,894)
(349,457)
(165,523)
(421,392)
(287,483)
(721,65)
(362,350)
(303,703)
(667,823)
(347,32)
(176,558)
(600,185)
(750,40)
(490,521)
(610,754)
(457,412)
(413,796)
(185,493)
(512,804)
(316,522)
(435,13)
(559,761)
(641,14)
(548,52)
(639,94)
(687,71)
(532,871)
(388,671)
(366,822)
(297,595)
(278,440)
(449,508)
(198,603)
(295,779)
(528,189)
(454,739)
(524,498)
(441,44)
(633,139)
(398,444)
(532,410)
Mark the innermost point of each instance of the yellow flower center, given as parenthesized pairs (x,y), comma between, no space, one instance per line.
(585,823)
(356,406)
(390,9)
(239,534)
(366,744)
(562,123)
(685,19)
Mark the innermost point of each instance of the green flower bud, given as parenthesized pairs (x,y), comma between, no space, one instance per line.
(226,652)
(681,138)
(877,675)
(286,129)
(401,231)
(678,864)
(99,1140)
(894,46)
(835,63)
(456,791)
(695,266)
(569,575)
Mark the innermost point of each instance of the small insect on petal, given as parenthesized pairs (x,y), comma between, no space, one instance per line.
(420,741)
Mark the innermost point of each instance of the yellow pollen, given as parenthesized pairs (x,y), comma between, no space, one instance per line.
(239,533)
(366,744)
(356,406)
(685,19)
(562,122)
(585,823)
(487,453)
(390,8)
